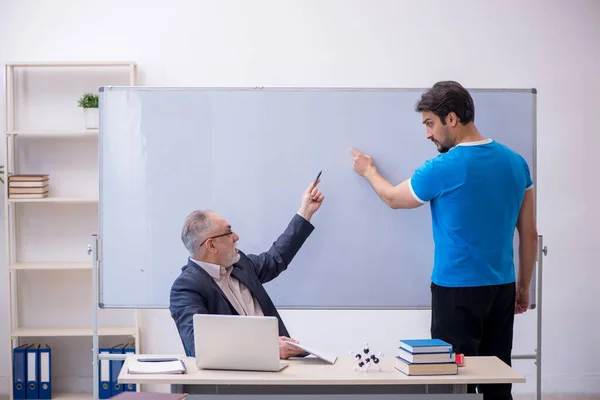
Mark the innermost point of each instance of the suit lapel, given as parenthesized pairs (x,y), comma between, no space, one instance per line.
(241,276)
(209,278)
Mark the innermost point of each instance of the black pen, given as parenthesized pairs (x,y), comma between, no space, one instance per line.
(318,176)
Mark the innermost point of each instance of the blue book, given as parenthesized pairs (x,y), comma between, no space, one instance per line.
(426,346)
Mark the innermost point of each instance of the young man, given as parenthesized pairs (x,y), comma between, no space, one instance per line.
(479,191)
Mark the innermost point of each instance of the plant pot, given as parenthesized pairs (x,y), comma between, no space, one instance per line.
(91,118)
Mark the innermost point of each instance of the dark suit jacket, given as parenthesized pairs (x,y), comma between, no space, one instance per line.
(195,292)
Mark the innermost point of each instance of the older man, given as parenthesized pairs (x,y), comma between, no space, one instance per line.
(220,279)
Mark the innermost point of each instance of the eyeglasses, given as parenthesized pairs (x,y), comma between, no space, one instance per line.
(217,236)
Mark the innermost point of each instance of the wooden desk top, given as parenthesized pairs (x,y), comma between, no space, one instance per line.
(312,371)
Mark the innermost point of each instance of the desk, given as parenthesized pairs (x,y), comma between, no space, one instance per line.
(311,376)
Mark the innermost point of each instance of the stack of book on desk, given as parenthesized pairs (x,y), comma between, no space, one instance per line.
(426,357)
(27,186)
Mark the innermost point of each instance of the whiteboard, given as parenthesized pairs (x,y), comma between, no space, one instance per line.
(248,154)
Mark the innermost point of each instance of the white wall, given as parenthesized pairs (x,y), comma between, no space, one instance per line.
(549,45)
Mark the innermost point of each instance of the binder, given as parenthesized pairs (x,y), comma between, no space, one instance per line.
(104,376)
(45,380)
(33,371)
(129,387)
(20,372)
(115,368)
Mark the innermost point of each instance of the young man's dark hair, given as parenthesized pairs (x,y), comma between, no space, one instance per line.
(446,97)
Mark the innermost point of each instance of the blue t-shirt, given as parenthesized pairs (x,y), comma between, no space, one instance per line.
(475,192)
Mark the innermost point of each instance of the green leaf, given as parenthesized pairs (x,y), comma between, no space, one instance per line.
(88,100)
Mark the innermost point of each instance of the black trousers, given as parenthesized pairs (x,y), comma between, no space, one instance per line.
(477,321)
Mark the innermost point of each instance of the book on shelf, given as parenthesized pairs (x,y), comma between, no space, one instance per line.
(29,186)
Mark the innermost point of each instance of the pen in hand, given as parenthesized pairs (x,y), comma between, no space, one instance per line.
(318,176)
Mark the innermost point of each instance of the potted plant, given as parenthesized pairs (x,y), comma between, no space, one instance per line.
(89,103)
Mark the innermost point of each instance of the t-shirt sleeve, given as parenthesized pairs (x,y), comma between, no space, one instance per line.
(529,180)
(426,182)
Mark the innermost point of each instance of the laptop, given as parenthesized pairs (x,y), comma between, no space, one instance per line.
(239,343)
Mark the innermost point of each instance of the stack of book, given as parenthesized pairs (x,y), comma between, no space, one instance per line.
(27,186)
(426,357)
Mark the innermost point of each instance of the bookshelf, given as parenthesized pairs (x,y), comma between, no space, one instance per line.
(49,271)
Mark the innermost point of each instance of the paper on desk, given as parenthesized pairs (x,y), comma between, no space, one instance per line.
(330,358)
(164,367)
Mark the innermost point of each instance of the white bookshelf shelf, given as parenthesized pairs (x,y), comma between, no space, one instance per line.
(75,331)
(48,266)
(60,64)
(56,200)
(55,134)
(72,396)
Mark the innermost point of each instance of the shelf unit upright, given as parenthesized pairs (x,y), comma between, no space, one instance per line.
(19,331)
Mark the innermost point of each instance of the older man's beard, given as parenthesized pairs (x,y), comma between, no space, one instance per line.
(234,259)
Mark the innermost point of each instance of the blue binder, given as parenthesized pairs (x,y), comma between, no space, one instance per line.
(33,371)
(104,376)
(115,369)
(45,377)
(129,387)
(20,372)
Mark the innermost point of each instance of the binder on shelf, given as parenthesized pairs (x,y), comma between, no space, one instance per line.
(33,371)
(104,376)
(115,368)
(129,387)
(20,372)
(45,381)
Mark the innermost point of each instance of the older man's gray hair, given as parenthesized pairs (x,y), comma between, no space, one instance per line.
(196,227)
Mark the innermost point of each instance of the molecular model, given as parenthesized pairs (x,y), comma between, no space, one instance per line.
(365,360)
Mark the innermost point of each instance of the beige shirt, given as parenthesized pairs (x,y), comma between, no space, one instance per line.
(236,292)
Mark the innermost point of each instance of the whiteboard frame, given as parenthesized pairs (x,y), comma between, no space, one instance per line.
(99,300)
